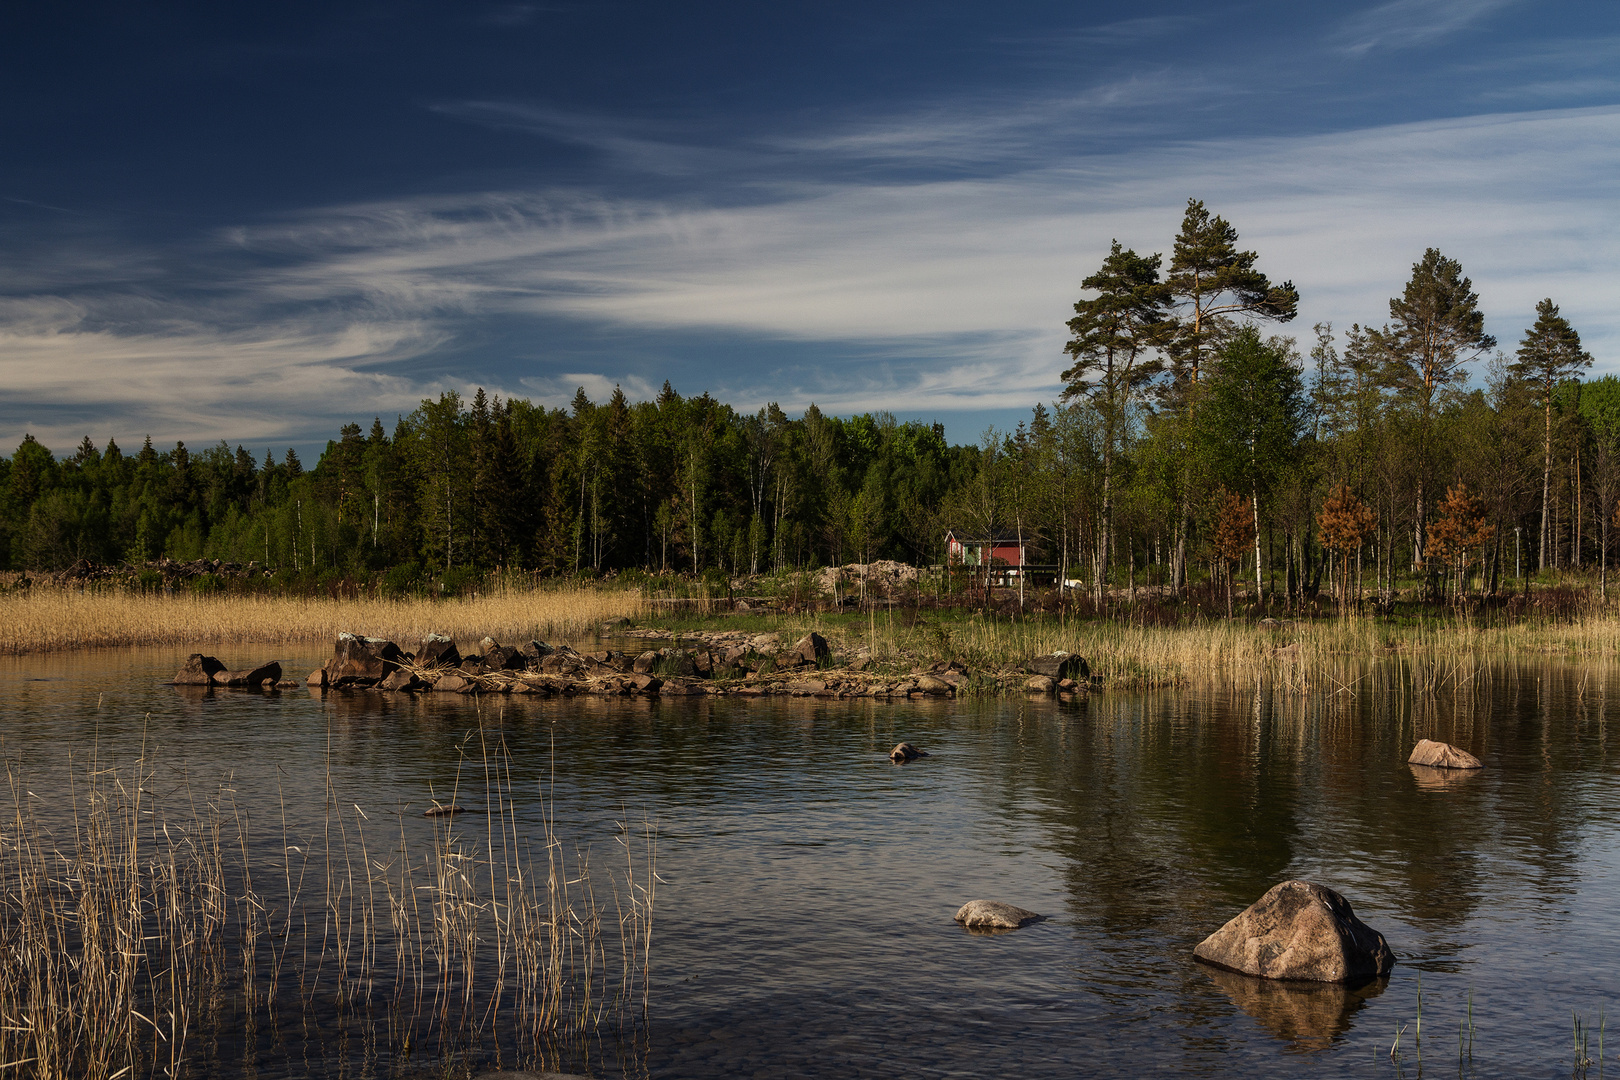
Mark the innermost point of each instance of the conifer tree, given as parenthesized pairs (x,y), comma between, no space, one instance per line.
(1115,334)
(1550,353)
(1436,329)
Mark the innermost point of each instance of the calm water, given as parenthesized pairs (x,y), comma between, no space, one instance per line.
(804,927)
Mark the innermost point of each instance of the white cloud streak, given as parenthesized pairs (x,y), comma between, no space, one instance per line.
(1407,24)
(935,295)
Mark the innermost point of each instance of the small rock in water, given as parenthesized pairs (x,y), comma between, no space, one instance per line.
(249,677)
(438,810)
(1441,755)
(993,915)
(905,752)
(1040,684)
(1299,930)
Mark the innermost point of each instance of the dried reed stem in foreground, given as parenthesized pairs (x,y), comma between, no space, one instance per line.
(132,928)
(47,617)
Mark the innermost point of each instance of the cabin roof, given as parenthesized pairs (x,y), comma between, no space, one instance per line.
(1001,536)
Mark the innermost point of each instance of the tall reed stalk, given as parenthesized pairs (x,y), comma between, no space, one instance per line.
(127,923)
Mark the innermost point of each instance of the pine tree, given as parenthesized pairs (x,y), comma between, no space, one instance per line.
(1436,329)
(1550,353)
(1212,281)
(1114,337)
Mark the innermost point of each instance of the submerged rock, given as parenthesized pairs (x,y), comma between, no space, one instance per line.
(1439,755)
(256,676)
(199,670)
(905,752)
(1299,930)
(993,915)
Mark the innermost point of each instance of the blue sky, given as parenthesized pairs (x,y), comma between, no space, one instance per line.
(258,224)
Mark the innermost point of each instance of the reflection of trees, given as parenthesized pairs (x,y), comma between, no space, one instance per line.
(1171,811)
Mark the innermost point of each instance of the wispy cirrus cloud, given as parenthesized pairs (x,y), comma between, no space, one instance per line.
(1406,24)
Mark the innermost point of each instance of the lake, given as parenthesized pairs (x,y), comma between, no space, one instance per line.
(803,926)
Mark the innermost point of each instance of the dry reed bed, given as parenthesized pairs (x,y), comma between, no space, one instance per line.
(130,928)
(1130,655)
(41,619)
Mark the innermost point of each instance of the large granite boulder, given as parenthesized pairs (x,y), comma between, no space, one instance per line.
(993,915)
(1439,755)
(438,651)
(1299,930)
(361,661)
(249,677)
(198,670)
(1060,665)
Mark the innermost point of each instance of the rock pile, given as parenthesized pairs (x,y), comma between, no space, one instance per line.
(200,670)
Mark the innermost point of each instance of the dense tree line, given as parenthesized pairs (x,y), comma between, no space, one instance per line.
(1188,445)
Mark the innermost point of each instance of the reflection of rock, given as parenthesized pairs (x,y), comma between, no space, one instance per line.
(1299,930)
(1441,755)
(1308,1015)
(1430,778)
(993,915)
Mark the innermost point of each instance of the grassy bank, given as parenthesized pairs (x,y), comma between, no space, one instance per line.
(1125,653)
(40,619)
(1130,655)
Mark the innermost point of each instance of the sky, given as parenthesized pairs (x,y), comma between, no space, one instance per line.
(256,223)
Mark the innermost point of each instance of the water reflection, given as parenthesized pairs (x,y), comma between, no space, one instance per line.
(810,884)
(1306,1016)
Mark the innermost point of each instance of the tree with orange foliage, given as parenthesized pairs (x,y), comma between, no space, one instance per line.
(1460,530)
(1234,534)
(1346,523)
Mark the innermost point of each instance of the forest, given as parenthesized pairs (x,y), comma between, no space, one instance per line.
(1191,443)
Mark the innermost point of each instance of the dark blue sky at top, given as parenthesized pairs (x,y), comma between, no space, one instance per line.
(339,208)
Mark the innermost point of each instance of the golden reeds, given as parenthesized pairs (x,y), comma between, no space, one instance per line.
(53,618)
(120,934)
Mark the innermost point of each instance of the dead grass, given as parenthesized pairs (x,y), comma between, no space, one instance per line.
(46,618)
